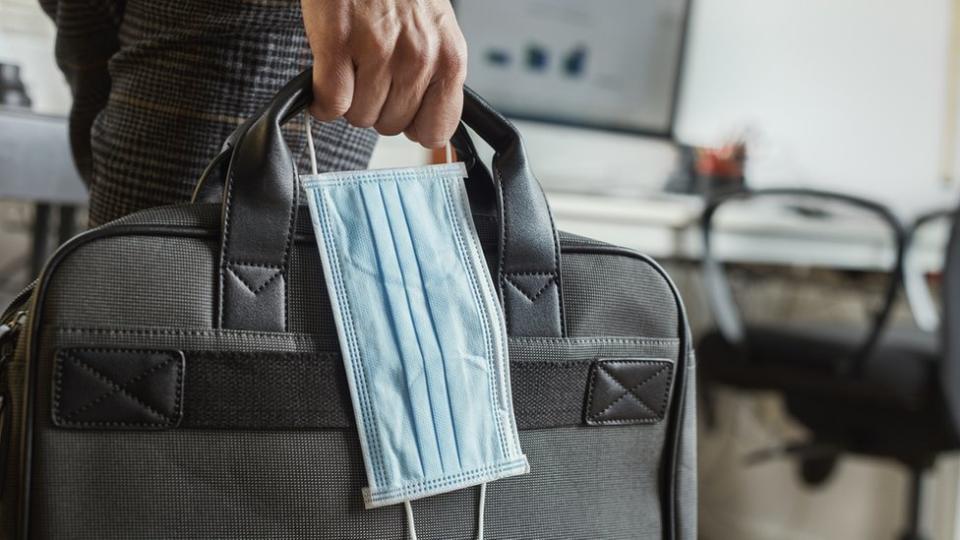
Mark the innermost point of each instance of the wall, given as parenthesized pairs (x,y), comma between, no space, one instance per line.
(846,94)
(26,38)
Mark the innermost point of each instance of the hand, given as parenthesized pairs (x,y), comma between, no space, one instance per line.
(395,65)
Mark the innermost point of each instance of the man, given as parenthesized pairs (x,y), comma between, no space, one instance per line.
(158,85)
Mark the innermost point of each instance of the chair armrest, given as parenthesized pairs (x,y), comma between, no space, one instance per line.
(720,296)
(921,303)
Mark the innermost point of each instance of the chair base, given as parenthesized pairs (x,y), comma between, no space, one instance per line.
(914,506)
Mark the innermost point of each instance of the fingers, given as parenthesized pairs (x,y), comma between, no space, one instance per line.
(406,94)
(333,84)
(442,104)
(439,115)
(327,26)
(370,92)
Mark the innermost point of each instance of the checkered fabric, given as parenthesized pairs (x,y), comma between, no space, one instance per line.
(158,86)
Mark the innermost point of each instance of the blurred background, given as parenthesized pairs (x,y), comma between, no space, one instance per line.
(794,165)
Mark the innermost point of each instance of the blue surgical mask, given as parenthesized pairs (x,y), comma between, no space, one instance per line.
(421,330)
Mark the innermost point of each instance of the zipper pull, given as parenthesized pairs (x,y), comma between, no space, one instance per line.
(10,328)
(8,335)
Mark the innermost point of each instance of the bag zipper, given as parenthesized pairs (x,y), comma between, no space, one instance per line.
(9,330)
(11,324)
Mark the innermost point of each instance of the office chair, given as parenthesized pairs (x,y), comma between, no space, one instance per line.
(889,393)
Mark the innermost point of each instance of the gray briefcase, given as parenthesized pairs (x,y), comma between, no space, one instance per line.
(176,373)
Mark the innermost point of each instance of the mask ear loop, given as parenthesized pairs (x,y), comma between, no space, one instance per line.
(311,151)
(411,529)
(481,510)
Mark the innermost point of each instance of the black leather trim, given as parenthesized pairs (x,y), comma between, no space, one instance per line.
(626,391)
(117,388)
(529,247)
(121,389)
(479,182)
(209,187)
(260,203)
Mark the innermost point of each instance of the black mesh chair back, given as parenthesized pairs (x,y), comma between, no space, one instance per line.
(809,217)
(950,329)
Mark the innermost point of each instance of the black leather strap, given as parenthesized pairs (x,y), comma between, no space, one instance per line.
(528,270)
(261,198)
(480,187)
(300,391)
(260,202)
(209,187)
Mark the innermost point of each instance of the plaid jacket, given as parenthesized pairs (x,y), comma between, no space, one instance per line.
(159,84)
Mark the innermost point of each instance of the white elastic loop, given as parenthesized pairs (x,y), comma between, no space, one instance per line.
(410,527)
(307,119)
(449,150)
(481,510)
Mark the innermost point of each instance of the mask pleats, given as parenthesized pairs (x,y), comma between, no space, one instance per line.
(412,389)
(418,296)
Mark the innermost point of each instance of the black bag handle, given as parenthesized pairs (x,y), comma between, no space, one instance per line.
(261,197)
(209,186)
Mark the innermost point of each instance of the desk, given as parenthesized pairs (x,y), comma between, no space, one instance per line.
(36,166)
(667,227)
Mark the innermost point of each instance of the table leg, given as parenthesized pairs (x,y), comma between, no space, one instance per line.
(68,223)
(41,238)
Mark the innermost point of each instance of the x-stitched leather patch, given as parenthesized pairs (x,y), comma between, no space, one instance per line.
(628,391)
(118,388)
